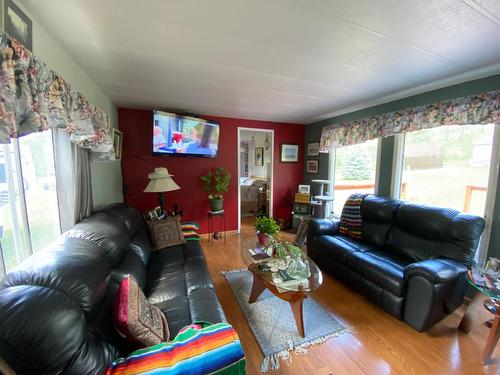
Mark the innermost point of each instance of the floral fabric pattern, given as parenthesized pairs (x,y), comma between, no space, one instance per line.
(33,98)
(483,108)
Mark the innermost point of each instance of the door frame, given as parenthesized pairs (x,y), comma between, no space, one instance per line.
(271,190)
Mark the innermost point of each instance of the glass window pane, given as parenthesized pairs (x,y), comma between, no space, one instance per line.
(14,236)
(37,159)
(355,168)
(448,166)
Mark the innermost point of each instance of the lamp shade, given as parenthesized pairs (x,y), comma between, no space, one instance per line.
(160,180)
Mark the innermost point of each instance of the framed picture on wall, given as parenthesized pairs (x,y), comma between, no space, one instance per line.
(312,166)
(117,143)
(17,24)
(259,156)
(289,153)
(313,149)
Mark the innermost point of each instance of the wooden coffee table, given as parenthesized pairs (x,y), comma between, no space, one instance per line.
(262,280)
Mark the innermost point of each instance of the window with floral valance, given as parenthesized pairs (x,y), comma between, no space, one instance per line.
(34,98)
(477,109)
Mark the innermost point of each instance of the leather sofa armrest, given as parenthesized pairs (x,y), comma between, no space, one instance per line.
(318,227)
(436,270)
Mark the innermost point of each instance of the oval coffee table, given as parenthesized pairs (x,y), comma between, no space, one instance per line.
(263,280)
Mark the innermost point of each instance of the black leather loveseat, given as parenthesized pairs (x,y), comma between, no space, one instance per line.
(411,261)
(55,308)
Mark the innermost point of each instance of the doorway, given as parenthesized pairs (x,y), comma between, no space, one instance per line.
(255,175)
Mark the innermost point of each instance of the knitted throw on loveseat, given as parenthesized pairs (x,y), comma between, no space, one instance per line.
(351,222)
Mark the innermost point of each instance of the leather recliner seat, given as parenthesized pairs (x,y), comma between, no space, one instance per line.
(411,261)
(56,306)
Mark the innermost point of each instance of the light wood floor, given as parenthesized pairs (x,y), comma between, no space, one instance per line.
(379,344)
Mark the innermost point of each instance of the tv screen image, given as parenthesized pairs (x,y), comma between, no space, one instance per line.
(182,135)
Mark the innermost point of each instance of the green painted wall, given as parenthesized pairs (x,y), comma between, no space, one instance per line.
(106,176)
(313,134)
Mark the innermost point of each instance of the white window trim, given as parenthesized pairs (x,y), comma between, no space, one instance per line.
(491,192)
(377,167)
(397,165)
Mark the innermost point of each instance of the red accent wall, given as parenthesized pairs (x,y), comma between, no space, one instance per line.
(137,162)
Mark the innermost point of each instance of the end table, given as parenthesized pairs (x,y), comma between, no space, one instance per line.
(222,224)
(492,304)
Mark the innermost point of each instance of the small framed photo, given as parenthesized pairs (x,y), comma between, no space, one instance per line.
(117,143)
(313,149)
(259,156)
(289,153)
(17,24)
(304,189)
(312,166)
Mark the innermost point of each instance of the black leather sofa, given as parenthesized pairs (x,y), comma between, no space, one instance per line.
(411,261)
(55,307)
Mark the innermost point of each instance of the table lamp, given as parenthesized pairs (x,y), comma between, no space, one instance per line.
(161,181)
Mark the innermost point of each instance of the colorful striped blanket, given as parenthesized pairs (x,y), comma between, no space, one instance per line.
(351,222)
(200,348)
(190,231)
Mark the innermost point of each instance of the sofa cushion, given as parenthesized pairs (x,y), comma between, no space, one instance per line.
(136,318)
(177,311)
(378,215)
(426,232)
(382,269)
(129,215)
(105,231)
(141,245)
(204,306)
(339,247)
(131,265)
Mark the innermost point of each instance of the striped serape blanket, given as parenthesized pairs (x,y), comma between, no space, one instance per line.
(190,231)
(351,222)
(200,348)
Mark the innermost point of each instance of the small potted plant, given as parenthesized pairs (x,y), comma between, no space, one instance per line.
(215,184)
(265,227)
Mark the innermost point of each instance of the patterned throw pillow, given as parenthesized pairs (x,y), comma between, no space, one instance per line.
(137,319)
(166,232)
(200,348)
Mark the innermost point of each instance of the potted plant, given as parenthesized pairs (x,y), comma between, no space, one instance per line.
(215,184)
(266,227)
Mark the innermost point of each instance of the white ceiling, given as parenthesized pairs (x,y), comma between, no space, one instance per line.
(279,60)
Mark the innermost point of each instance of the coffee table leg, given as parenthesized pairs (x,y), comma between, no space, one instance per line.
(298,315)
(257,288)
(491,343)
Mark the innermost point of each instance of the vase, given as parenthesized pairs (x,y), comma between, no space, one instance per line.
(263,238)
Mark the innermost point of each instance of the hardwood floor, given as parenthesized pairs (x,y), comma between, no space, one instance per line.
(379,344)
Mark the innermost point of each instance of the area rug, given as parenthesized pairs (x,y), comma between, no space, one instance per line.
(272,323)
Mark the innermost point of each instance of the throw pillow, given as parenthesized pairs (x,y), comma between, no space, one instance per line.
(200,348)
(137,319)
(166,232)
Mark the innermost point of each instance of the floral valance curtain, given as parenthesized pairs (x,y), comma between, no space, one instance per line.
(33,98)
(483,108)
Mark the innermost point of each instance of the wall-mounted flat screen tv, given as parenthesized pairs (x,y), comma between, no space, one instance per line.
(184,136)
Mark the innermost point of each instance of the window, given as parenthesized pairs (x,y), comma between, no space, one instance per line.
(354,171)
(448,166)
(29,217)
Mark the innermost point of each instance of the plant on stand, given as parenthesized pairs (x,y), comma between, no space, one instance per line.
(266,228)
(215,184)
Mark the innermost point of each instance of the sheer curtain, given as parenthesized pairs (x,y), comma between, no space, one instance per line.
(74,187)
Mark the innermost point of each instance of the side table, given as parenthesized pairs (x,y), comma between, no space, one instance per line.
(222,224)
(493,306)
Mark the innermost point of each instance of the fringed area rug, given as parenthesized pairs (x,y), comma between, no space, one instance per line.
(273,325)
